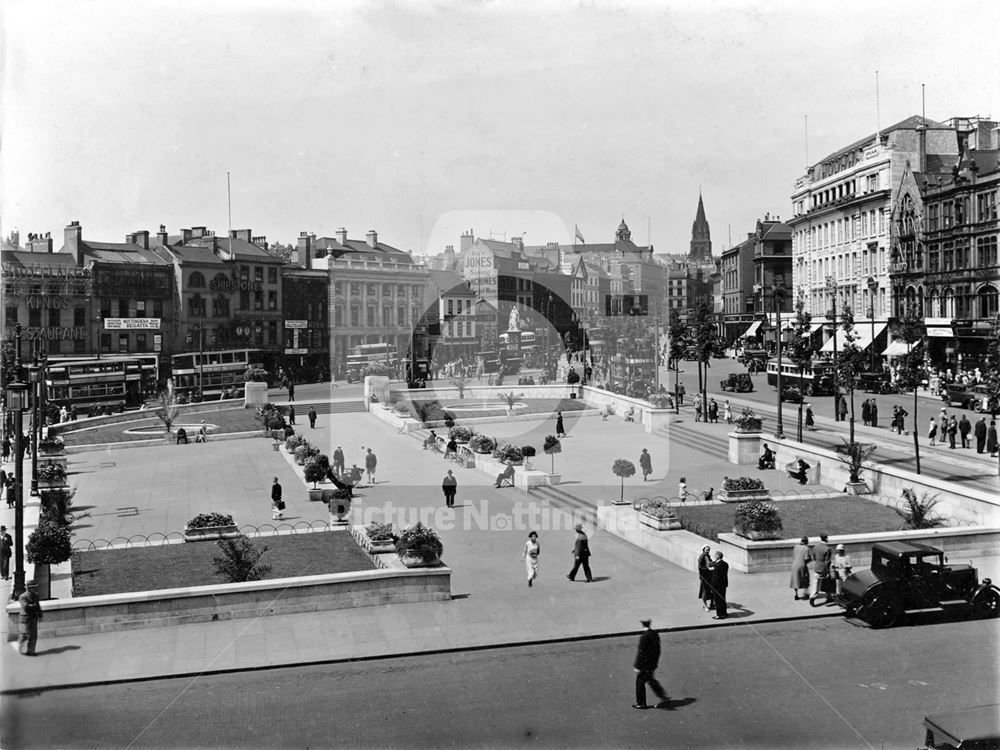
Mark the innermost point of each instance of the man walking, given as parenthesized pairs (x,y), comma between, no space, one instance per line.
(370,463)
(31,613)
(819,567)
(581,555)
(952,431)
(713,411)
(6,547)
(720,582)
(312,418)
(866,412)
(277,504)
(291,391)
(980,433)
(841,409)
(338,461)
(449,485)
(874,413)
(291,415)
(964,428)
(647,658)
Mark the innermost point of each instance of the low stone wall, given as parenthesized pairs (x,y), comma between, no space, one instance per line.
(130,416)
(524,479)
(678,546)
(149,609)
(444,390)
(776,555)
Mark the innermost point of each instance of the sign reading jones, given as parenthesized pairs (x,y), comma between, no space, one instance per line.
(132,324)
(235,285)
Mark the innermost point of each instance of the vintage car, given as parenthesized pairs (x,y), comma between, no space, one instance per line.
(875,382)
(976,728)
(907,579)
(792,394)
(754,359)
(737,382)
(976,397)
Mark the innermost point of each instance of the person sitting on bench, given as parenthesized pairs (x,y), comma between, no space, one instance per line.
(200,437)
(630,414)
(431,440)
(766,460)
(451,450)
(801,473)
(182,436)
(506,477)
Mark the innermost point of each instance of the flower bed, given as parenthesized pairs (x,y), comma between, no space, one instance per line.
(659,514)
(208,526)
(757,520)
(739,489)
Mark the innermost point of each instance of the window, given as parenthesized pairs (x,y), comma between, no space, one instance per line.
(220,306)
(140,342)
(864,224)
(55,317)
(986,205)
(401,315)
(355,316)
(157,308)
(272,332)
(244,273)
(123,308)
(140,308)
(79,346)
(244,300)
(986,250)
(35,317)
(196,280)
(881,221)
(451,310)
(947,257)
(933,259)
(258,274)
(272,300)
(79,316)
(988,302)
(10,316)
(946,215)
(355,288)
(272,275)
(370,316)
(196,306)
(370,290)
(338,288)
(871,183)
(932,218)
(338,316)
(123,342)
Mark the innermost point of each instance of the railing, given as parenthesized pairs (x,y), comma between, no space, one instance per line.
(158,538)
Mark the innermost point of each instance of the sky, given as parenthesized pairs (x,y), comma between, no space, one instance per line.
(423,119)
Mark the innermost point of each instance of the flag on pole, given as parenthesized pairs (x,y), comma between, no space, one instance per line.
(579,235)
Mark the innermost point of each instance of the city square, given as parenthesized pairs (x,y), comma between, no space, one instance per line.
(493,484)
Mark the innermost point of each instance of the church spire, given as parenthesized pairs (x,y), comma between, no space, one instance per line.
(701,236)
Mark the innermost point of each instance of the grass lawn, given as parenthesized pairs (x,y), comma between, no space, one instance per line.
(228,420)
(535,406)
(190,564)
(840,515)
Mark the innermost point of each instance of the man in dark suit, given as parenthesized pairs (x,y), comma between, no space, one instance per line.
(980,433)
(581,555)
(819,569)
(720,582)
(647,658)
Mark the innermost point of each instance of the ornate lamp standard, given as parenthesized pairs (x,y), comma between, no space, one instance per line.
(34,377)
(872,291)
(17,397)
(831,285)
(778,298)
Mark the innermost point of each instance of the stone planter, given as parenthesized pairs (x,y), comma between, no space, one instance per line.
(669,523)
(315,494)
(741,496)
(211,533)
(377,548)
(51,484)
(757,536)
(340,510)
(553,479)
(856,488)
(59,459)
(744,447)
(419,562)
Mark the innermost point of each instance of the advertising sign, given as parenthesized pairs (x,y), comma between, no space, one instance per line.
(296,324)
(296,351)
(480,271)
(132,324)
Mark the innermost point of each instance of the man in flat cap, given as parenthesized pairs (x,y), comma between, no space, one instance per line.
(646,660)
(31,613)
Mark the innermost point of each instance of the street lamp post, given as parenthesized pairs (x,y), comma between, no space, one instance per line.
(16,402)
(872,290)
(33,378)
(831,284)
(777,297)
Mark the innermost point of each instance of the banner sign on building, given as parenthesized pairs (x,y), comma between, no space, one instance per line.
(296,324)
(132,324)
(296,351)
(480,271)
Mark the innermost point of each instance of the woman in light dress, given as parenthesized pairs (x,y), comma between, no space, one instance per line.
(530,555)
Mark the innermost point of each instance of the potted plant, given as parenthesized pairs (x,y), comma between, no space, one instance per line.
(622,468)
(419,546)
(460,434)
(271,419)
(528,451)
(51,475)
(49,544)
(304,452)
(292,442)
(379,538)
(511,453)
(51,445)
(482,444)
(56,504)
(209,526)
(854,456)
(315,470)
(551,447)
(748,421)
(340,506)
(510,399)
(756,520)
(659,514)
(737,489)
(660,401)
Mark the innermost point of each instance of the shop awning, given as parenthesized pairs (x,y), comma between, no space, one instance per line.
(896,349)
(864,337)
(813,328)
(752,330)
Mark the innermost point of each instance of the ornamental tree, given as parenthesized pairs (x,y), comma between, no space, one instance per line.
(623,468)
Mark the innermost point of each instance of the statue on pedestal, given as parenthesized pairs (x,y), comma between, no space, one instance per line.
(514,323)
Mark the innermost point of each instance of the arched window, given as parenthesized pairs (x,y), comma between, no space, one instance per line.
(196,280)
(933,303)
(196,306)
(920,301)
(948,304)
(988,302)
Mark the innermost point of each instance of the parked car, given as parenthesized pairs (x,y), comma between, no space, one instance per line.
(908,578)
(875,382)
(737,382)
(976,397)
(975,728)
(792,394)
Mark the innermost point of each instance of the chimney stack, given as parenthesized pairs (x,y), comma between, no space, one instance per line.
(140,238)
(74,241)
(305,249)
(186,235)
(162,237)
(922,146)
(342,236)
(466,241)
(39,244)
(372,237)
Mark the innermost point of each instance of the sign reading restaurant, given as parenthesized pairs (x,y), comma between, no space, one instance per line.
(132,324)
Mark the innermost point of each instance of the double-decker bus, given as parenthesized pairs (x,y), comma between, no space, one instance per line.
(112,382)
(815,382)
(214,372)
(362,355)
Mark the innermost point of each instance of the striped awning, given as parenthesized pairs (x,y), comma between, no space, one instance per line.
(752,330)
(864,337)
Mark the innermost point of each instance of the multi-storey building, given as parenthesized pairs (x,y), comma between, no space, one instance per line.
(944,235)
(738,298)
(454,317)
(306,297)
(841,207)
